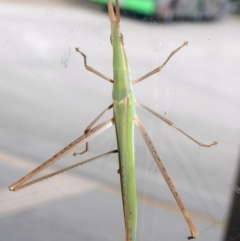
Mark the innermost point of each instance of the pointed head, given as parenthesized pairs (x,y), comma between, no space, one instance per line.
(116,35)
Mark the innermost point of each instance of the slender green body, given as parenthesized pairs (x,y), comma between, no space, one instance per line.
(124,111)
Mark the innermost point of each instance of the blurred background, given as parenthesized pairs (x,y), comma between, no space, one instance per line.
(48,98)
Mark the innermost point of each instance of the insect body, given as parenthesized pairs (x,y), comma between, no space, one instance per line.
(124,118)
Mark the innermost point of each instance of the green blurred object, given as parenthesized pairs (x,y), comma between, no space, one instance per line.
(146,7)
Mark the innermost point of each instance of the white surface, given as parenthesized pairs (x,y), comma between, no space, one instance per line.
(48,98)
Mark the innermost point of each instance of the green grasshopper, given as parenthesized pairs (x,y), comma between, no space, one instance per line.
(124,118)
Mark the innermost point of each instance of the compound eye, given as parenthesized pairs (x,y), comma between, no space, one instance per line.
(121,37)
(111,39)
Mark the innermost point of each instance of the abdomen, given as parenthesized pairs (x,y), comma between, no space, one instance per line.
(124,111)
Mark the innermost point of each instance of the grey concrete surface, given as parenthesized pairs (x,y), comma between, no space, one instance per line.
(47,98)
